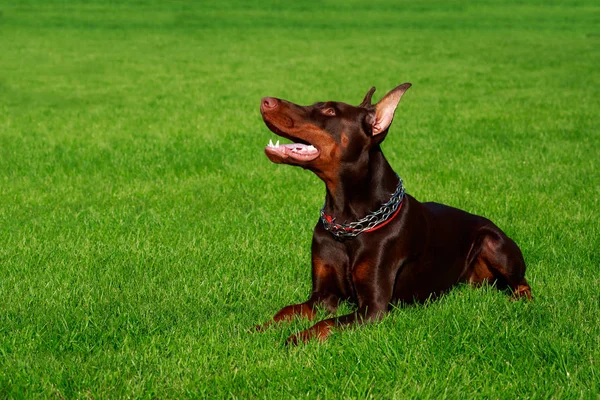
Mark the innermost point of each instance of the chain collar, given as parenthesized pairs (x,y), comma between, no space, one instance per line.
(369,223)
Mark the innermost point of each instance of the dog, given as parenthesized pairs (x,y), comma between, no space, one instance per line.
(375,245)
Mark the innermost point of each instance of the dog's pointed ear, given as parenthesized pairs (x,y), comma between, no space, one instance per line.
(367,100)
(386,107)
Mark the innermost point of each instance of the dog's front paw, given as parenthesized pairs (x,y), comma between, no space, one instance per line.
(320,331)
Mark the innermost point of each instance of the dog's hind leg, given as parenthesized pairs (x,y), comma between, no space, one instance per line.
(497,258)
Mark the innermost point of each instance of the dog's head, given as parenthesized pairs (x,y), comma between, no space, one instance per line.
(326,136)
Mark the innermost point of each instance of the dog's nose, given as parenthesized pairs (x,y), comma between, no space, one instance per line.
(268,103)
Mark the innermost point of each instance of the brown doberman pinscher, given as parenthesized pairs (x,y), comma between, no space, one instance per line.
(375,245)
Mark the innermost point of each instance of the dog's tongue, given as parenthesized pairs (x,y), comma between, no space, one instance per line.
(294,150)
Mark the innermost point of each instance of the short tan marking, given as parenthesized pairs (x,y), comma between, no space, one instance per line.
(481,273)
(320,268)
(345,140)
(362,272)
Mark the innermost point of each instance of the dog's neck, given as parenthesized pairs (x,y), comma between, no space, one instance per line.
(361,188)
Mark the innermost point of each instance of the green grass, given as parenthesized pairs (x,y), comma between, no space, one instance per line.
(143,231)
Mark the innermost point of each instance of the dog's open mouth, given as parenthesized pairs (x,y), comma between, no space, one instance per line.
(300,151)
(296,151)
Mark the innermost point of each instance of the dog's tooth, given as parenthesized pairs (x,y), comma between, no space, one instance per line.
(277,144)
(311,147)
(270,143)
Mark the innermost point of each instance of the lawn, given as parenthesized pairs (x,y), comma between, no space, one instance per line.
(143,231)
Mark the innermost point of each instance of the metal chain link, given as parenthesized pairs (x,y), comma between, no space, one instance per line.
(353,229)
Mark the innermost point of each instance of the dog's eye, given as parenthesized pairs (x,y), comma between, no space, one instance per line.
(329,111)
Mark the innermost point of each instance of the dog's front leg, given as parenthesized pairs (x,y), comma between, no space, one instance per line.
(374,296)
(373,286)
(323,329)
